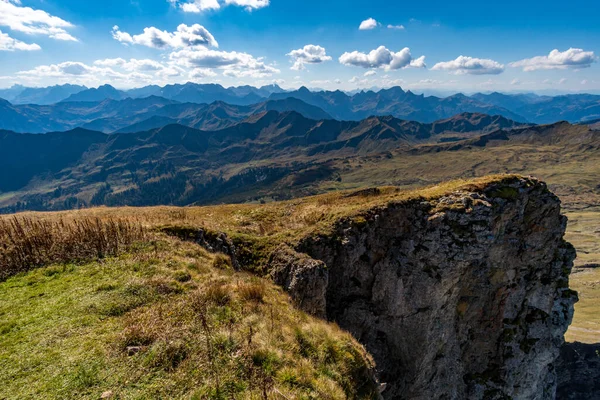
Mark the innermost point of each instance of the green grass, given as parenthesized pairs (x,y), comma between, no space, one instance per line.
(198,332)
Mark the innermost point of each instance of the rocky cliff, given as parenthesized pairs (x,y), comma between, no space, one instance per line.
(460,296)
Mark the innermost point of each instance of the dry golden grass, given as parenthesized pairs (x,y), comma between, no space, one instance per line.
(293,218)
(27,242)
(256,229)
(586,323)
(584,233)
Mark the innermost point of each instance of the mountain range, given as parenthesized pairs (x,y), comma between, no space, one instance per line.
(132,115)
(270,150)
(69,106)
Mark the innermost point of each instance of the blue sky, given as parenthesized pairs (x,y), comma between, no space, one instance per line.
(436,45)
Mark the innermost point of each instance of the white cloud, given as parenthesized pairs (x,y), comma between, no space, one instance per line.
(469,65)
(386,82)
(114,71)
(368,24)
(429,82)
(383,58)
(370,73)
(145,65)
(185,36)
(198,6)
(202,73)
(249,4)
(515,82)
(232,64)
(396,27)
(356,81)
(584,82)
(309,54)
(572,58)
(71,69)
(33,22)
(9,44)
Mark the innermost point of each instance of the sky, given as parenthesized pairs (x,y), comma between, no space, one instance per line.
(436,45)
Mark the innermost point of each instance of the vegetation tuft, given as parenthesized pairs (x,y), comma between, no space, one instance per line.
(27,243)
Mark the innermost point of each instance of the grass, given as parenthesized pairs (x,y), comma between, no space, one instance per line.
(586,324)
(257,229)
(162,318)
(159,321)
(27,243)
(584,232)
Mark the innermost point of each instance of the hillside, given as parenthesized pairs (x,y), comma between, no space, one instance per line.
(134,115)
(99,107)
(273,155)
(192,162)
(161,316)
(396,102)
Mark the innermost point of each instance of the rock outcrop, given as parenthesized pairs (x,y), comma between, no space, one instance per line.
(460,296)
(304,278)
(215,242)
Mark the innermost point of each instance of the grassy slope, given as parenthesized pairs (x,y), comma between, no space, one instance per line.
(69,334)
(584,233)
(204,332)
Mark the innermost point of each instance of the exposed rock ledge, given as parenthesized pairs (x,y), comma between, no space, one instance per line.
(466,296)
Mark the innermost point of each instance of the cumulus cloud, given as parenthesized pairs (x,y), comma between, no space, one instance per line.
(396,27)
(9,44)
(383,58)
(469,65)
(370,73)
(184,36)
(569,59)
(33,22)
(202,73)
(70,69)
(233,64)
(309,54)
(144,65)
(249,4)
(356,81)
(114,70)
(198,6)
(368,24)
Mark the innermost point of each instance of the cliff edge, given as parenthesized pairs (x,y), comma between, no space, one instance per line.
(464,295)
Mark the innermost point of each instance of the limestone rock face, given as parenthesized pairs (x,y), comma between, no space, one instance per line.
(463,297)
(304,278)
